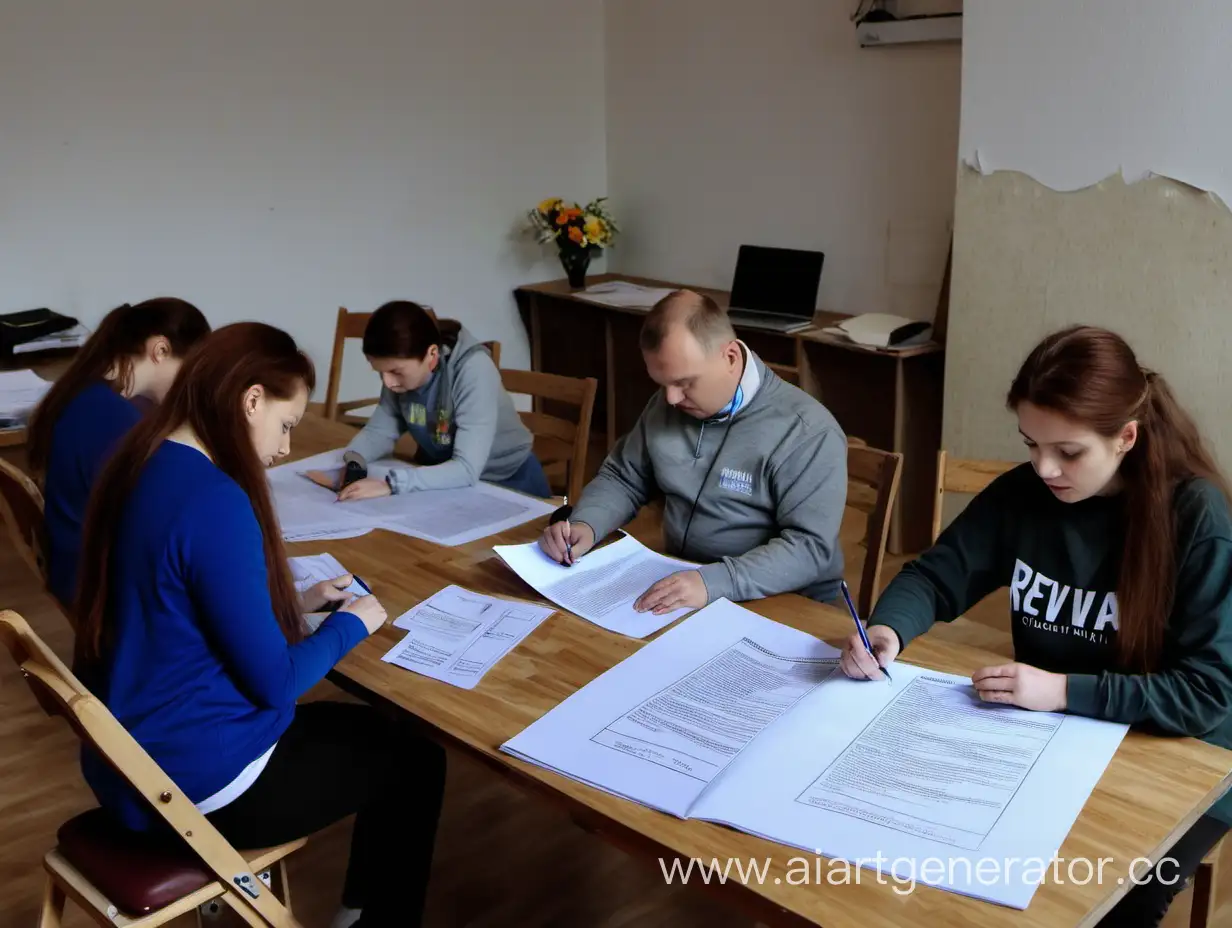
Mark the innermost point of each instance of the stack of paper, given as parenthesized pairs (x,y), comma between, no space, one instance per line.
(20,392)
(457,635)
(623,293)
(602,586)
(309,512)
(736,719)
(69,338)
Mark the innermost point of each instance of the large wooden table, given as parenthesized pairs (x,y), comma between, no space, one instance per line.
(1151,792)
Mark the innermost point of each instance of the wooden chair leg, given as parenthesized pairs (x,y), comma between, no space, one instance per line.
(53,905)
(284,885)
(1202,905)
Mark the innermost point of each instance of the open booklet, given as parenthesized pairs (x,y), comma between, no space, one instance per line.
(736,719)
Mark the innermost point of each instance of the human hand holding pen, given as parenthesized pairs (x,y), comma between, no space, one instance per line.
(866,654)
(565,542)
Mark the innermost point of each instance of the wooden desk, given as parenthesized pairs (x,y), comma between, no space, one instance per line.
(890,399)
(1151,792)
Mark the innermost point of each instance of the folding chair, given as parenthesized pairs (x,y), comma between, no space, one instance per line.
(21,510)
(122,879)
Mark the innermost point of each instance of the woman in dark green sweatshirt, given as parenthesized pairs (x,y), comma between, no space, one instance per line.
(1116,545)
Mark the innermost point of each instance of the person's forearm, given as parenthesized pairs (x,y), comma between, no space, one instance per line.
(788,563)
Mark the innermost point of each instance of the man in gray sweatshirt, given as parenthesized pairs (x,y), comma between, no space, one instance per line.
(753,470)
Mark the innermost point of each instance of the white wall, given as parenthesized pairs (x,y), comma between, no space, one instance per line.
(1070,93)
(278,159)
(731,121)
(1058,97)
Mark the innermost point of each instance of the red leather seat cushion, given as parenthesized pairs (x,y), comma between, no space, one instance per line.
(139,873)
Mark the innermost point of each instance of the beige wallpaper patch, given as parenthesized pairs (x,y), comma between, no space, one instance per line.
(1152,260)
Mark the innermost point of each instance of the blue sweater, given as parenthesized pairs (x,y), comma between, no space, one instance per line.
(198,671)
(82,440)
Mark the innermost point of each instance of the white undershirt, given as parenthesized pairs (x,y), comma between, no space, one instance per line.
(233,790)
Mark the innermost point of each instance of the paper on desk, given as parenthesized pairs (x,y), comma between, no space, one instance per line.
(69,338)
(623,293)
(457,636)
(311,569)
(308,511)
(602,586)
(736,719)
(451,517)
(20,392)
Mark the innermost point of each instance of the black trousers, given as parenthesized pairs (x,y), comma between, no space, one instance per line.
(1147,903)
(339,759)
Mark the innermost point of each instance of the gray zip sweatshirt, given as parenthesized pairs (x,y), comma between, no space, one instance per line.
(767,520)
(464,422)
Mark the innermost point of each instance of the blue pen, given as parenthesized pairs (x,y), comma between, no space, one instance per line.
(361,583)
(868,645)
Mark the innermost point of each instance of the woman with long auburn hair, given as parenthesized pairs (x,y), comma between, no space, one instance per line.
(1115,542)
(131,358)
(192,633)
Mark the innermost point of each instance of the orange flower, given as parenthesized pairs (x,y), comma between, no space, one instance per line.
(575,235)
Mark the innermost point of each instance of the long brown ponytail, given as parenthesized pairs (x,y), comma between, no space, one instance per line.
(207,395)
(119,338)
(1091,376)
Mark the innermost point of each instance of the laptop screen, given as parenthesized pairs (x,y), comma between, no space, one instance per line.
(783,281)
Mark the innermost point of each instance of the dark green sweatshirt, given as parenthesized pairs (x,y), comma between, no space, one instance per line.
(1061,562)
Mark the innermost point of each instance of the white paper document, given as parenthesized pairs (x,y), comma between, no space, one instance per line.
(20,392)
(623,293)
(601,586)
(311,569)
(732,718)
(308,512)
(457,636)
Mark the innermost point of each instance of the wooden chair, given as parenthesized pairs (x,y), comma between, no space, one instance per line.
(351,325)
(119,878)
(560,444)
(21,510)
(963,475)
(872,486)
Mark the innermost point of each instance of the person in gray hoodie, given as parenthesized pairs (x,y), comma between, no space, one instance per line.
(753,470)
(439,384)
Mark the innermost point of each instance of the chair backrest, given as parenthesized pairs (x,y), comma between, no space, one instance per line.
(558,439)
(352,325)
(21,510)
(873,477)
(60,693)
(963,475)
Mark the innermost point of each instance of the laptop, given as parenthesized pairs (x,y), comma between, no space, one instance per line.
(775,288)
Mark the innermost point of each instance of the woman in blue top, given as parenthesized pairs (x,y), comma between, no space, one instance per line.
(440,385)
(131,358)
(192,634)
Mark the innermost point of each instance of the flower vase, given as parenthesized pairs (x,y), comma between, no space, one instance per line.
(576,261)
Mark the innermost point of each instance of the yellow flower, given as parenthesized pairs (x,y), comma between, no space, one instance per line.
(548,205)
(594,229)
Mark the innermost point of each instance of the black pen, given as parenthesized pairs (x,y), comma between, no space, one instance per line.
(562,515)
